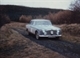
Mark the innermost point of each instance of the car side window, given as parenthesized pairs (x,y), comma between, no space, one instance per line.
(31,22)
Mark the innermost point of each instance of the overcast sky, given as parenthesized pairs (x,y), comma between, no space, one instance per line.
(59,4)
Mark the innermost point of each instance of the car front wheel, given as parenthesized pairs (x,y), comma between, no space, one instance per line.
(37,35)
(57,38)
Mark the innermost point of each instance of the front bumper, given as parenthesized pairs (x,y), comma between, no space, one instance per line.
(50,36)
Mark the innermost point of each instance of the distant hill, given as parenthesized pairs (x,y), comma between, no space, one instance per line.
(14,12)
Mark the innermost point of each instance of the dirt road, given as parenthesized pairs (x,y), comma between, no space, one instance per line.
(65,48)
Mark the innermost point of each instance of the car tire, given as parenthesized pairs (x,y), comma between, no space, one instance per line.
(57,38)
(37,35)
(27,32)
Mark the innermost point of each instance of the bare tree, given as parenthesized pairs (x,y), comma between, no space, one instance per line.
(75,6)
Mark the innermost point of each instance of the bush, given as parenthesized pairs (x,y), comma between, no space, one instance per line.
(25,18)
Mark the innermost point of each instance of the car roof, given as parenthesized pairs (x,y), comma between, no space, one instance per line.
(40,20)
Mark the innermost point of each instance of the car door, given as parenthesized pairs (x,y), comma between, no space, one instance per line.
(31,27)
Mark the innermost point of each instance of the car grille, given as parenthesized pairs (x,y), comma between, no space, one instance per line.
(51,32)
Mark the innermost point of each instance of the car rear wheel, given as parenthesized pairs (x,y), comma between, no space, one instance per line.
(27,32)
(37,35)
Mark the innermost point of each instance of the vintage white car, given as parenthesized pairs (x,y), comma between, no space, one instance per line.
(43,28)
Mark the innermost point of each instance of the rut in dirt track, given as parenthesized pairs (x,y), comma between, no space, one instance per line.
(60,46)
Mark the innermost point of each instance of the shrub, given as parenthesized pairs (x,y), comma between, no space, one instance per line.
(62,17)
(25,18)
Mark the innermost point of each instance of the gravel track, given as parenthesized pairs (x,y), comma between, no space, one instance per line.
(65,48)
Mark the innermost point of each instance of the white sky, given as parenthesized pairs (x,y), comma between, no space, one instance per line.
(58,4)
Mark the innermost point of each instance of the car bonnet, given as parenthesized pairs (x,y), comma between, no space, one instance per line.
(47,27)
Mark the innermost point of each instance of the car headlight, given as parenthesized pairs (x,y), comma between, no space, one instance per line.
(42,32)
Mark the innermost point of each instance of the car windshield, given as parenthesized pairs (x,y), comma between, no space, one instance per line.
(43,23)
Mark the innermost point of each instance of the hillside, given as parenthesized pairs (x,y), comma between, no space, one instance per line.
(15,12)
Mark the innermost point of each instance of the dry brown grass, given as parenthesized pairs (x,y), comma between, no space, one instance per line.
(70,32)
(17,25)
(5,32)
(73,29)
